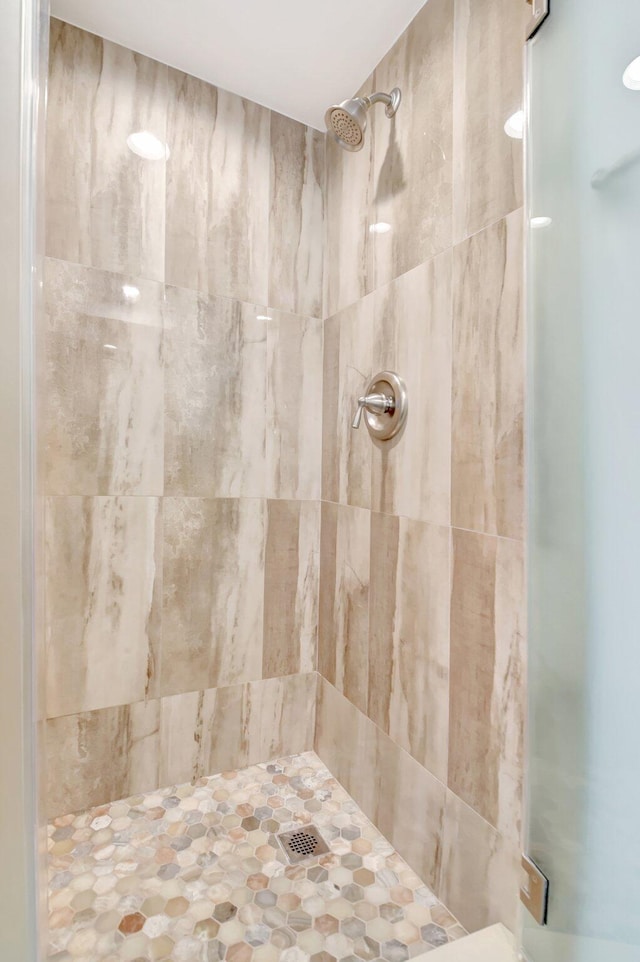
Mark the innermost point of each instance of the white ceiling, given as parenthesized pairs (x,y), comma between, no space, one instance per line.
(295,56)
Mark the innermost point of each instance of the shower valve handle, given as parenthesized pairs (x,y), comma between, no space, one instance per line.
(375,404)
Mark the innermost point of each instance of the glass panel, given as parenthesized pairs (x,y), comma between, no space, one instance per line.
(21,59)
(584,479)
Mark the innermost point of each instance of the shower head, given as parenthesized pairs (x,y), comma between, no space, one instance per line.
(347,122)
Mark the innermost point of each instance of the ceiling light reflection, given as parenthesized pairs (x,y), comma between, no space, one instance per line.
(631,76)
(514,127)
(147,145)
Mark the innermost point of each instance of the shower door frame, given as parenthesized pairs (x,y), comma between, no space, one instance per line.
(23,51)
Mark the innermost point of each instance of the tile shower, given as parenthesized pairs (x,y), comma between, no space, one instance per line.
(240,589)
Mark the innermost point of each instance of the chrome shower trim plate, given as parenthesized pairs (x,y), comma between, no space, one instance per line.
(384,406)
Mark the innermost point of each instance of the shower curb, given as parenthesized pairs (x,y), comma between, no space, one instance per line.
(493,944)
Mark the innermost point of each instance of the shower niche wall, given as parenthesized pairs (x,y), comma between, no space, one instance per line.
(240,589)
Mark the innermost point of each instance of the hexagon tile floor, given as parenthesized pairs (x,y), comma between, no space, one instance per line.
(194,873)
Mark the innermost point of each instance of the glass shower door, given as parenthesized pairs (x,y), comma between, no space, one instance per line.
(584,480)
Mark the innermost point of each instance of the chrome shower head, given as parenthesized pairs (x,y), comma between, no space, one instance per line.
(347,122)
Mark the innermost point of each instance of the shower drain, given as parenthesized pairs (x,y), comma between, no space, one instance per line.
(302,843)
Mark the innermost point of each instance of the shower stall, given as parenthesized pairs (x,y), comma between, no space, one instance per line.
(267,548)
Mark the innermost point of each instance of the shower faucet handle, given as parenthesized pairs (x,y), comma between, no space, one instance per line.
(384,405)
(375,404)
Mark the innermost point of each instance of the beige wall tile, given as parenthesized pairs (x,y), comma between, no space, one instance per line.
(409,637)
(411,473)
(103,587)
(402,799)
(217,191)
(348,264)
(488,381)
(280,716)
(292,567)
(215,396)
(346,454)
(213,593)
(103,420)
(410,808)
(330,482)
(294,406)
(480,871)
(384,603)
(296,217)
(488,89)
(174,739)
(448,320)
(345,741)
(78,748)
(486,740)
(343,624)
(223,729)
(105,206)
(412,170)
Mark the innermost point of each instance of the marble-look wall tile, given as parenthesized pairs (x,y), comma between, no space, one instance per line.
(401,797)
(486,736)
(292,566)
(103,588)
(103,421)
(213,592)
(443,309)
(100,756)
(345,740)
(160,742)
(224,729)
(105,206)
(488,381)
(348,264)
(480,870)
(343,625)
(215,396)
(412,170)
(296,217)
(409,637)
(217,238)
(346,454)
(411,474)
(488,89)
(294,406)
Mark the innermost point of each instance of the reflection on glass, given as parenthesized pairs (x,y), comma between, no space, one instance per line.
(631,76)
(147,145)
(514,126)
(380,228)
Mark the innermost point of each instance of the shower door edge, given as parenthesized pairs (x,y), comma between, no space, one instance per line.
(22,61)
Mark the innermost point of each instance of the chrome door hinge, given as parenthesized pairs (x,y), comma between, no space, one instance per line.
(534,893)
(539,13)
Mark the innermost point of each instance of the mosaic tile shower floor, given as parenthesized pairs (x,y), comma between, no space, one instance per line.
(193,873)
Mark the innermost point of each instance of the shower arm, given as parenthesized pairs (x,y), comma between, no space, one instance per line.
(391,101)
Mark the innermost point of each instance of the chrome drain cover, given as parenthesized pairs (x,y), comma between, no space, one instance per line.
(302,843)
